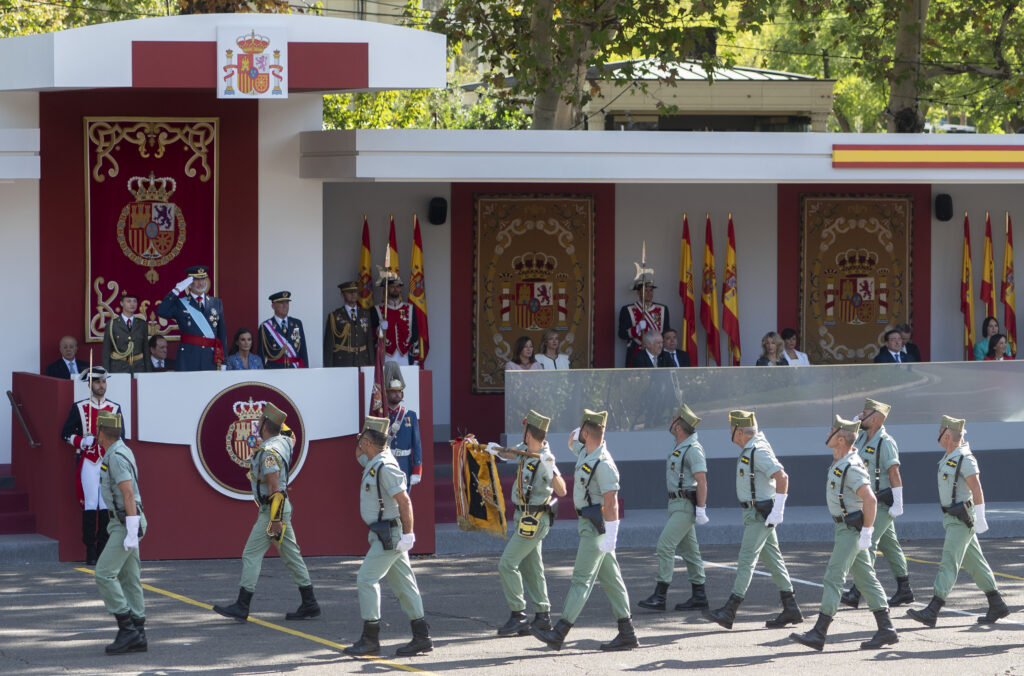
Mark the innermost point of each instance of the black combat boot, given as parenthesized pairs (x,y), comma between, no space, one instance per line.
(625,639)
(127,637)
(790,612)
(140,626)
(929,614)
(553,637)
(904,594)
(886,634)
(996,608)
(851,597)
(309,608)
(102,519)
(815,638)
(89,536)
(369,642)
(655,601)
(517,625)
(238,610)
(698,601)
(420,642)
(727,613)
(540,620)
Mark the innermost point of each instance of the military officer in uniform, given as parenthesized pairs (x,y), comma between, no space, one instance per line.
(963,505)
(386,508)
(595,495)
(398,319)
(118,573)
(268,474)
(852,504)
(639,317)
(405,434)
(686,480)
(282,339)
(125,345)
(881,456)
(200,319)
(348,338)
(761,486)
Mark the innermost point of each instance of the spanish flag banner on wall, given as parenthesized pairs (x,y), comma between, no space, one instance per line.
(418,291)
(1007,292)
(988,272)
(967,292)
(731,299)
(689,334)
(709,299)
(365,270)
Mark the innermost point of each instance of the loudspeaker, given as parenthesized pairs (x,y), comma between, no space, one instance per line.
(437,213)
(943,207)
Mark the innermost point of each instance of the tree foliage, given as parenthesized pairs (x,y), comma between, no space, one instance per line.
(27,17)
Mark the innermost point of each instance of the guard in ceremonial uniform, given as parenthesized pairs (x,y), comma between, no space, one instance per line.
(348,339)
(852,504)
(521,563)
(118,572)
(686,473)
(405,434)
(401,335)
(881,456)
(282,339)
(268,473)
(200,319)
(386,508)
(761,485)
(595,495)
(639,317)
(963,507)
(125,346)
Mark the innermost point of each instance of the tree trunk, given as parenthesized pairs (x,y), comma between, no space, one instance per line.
(904,112)
(545,102)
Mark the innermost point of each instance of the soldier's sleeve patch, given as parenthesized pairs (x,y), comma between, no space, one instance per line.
(269,462)
(745,460)
(951,463)
(676,454)
(869,449)
(837,472)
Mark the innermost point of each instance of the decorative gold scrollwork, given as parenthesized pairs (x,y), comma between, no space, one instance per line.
(152,139)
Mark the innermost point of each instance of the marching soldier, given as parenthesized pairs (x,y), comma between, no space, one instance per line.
(386,508)
(852,504)
(398,319)
(268,473)
(348,339)
(200,319)
(521,562)
(405,433)
(595,495)
(282,339)
(686,477)
(963,506)
(118,572)
(639,317)
(882,458)
(761,485)
(125,340)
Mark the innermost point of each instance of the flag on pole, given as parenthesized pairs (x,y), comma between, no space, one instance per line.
(365,270)
(377,406)
(967,293)
(709,299)
(730,299)
(418,291)
(988,272)
(392,257)
(1006,291)
(689,334)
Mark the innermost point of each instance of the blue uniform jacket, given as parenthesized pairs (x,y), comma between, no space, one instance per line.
(405,445)
(192,357)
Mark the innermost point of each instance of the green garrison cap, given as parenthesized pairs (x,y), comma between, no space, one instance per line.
(107,419)
(848,425)
(372,424)
(537,420)
(274,414)
(740,418)
(955,425)
(595,417)
(687,416)
(872,405)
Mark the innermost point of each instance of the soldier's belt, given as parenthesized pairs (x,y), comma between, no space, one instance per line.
(534,509)
(688,494)
(130,359)
(346,348)
(265,499)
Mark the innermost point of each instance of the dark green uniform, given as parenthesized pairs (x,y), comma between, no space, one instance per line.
(126,349)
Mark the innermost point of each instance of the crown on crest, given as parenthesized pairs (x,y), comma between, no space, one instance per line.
(534,266)
(248,410)
(252,43)
(152,189)
(856,261)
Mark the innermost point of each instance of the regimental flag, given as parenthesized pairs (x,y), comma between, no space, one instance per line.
(392,264)
(686,293)
(365,270)
(1007,293)
(709,299)
(967,293)
(731,299)
(378,408)
(988,272)
(418,291)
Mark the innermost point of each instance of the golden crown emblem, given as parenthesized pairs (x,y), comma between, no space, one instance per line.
(252,43)
(534,266)
(856,261)
(248,410)
(152,189)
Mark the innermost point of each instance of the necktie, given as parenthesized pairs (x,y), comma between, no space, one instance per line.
(674,360)
(352,313)
(899,359)
(129,323)
(160,364)
(73,367)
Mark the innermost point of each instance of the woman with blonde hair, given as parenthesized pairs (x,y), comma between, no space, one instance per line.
(772,351)
(548,357)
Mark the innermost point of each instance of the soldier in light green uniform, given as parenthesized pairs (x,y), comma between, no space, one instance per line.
(268,474)
(881,456)
(118,573)
(386,508)
(761,485)
(853,507)
(686,472)
(521,563)
(595,495)
(963,506)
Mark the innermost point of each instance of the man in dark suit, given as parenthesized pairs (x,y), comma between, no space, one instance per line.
(650,356)
(200,319)
(68,364)
(672,356)
(158,360)
(892,350)
(282,339)
(910,351)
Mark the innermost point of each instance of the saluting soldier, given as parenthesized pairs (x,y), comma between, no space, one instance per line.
(761,486)
(269,476)
(386,508)
(125,340)
(521,563)
(200,319)
(686,479)
(348,338)
(881,456)
(852,504)
(963,507)
(282,338)
(595,495)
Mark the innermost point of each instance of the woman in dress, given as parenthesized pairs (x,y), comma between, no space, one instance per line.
(549,358)
(522,356)
(793,356)
(997,350)
(241,355)
(772,351)
(989,328)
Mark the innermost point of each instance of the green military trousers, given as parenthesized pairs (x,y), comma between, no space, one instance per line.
(846,557)
(679,534)
(521,566)
(884,539)
(960,548)
(394,566)
(119,575)
(258,544)
(759,542)
(594,565)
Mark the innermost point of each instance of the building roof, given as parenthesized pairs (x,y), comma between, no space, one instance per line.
(649,69)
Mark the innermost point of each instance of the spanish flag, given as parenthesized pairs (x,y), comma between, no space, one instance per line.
(1006,291)
(709,299)
(988,272)
(418,291)
(365,270)
(731,299)
(967,292)
(689,334)
(392,257)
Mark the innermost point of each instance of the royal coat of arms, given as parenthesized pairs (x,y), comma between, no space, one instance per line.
(243,437)
(151,230)
(257,69)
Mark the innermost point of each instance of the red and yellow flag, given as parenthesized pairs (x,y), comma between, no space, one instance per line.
(689,334)
(1006,291)
(365,270)
(418,291)
(967,293)
(709,299)
(988,273)
(392,254)
(731,299)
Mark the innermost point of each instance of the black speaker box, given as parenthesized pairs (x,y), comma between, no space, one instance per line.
(437,213)
(943,207)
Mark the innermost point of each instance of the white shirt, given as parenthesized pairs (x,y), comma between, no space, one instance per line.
(654,359)
(561,361)
(127,319)
(157,363)
(352,311)
(896,356)
(799,360)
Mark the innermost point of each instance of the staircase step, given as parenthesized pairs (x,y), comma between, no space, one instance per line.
(28,548)
(17,523)
(13,501)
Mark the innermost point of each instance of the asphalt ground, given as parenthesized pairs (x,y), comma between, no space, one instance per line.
(53,621)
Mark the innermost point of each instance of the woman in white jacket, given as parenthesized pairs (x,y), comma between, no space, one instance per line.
(549,356)
(794,356)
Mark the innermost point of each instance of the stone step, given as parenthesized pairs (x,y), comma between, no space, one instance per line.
(17,522)
(27,549)
(13,501)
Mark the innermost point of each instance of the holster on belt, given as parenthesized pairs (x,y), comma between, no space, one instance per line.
(885,496)
(959,510)
(594,515)
(382,529)
(854,520)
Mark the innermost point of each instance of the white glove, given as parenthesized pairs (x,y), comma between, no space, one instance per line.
(384,325)
(980,523)
(611,535)
(414,479)
(183,284)
(131,539)
(642,325)
(775,517)
(864,542)
(855,418)
(547,458)
(88,441)
(897,501)
(573,437)
(406,542)
(702,516)
(493,448)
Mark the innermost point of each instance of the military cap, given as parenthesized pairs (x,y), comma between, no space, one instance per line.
(595,417)
(637,285)
(198,271)
(274,414)
(872,405)
(391,278)
(740,418)
(687,416)
(396,384)
(349,286)
(380,425)
(108,419)
(537,420)
(848,425)
(281,296)
(97,373)
(955,425)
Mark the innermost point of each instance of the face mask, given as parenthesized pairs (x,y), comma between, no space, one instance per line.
(362,459)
